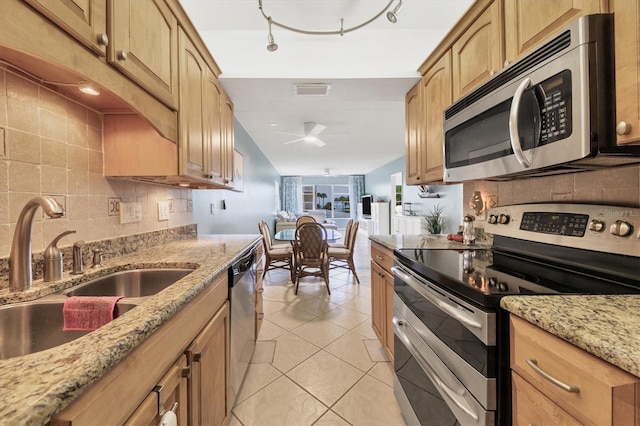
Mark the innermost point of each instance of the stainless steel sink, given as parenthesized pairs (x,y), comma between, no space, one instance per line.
(132,283)
(35,326)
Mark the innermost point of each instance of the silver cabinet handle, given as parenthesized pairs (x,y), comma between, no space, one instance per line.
(623,128)
(565,387)
(514,135)
(122,55)
(102,39)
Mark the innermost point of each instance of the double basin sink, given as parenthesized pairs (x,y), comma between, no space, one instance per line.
(34,326)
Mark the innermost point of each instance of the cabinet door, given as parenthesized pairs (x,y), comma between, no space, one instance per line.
(387,343)
(435,96)
(627,40)
(213,124)
(377,301)
(208,357)
(144,45)
(479,51)
(228,140)
(190,115)
(169,394)
(412,136)
(83,19)
(530,22)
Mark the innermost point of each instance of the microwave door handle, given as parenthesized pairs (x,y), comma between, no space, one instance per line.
(514,134)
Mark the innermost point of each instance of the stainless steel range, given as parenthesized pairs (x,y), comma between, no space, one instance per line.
(451,353)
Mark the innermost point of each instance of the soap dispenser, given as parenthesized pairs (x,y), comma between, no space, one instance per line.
(53,268)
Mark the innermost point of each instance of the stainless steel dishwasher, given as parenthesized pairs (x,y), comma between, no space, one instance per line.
(242,297)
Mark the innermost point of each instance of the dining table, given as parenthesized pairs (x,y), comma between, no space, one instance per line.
(290,235)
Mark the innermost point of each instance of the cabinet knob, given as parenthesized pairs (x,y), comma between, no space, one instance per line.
(186,372)
(492,72)
(623,128)
(122,55)
(102,39)
(260,316)
(197,356)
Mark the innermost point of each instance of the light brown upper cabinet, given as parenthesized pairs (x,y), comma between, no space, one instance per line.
(479,51)
(627,40)
(83,19)
(214,96)
(528,23)
(193,74)
(144,45)
(228,141)
(412,136)
(435,96)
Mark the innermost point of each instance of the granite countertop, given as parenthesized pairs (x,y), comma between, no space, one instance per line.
(427,241)
(605,326)
(36,386)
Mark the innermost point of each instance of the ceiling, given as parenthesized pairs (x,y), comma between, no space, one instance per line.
(369,72)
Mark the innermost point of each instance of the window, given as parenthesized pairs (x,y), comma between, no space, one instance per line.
(334,199)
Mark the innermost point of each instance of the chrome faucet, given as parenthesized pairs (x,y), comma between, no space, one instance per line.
(20,271)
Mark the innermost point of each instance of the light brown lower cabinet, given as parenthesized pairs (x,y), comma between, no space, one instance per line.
(555,382)
(170,394)
(382,296)
(208,357)
(125,393)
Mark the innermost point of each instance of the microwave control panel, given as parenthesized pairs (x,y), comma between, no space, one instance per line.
(555,112)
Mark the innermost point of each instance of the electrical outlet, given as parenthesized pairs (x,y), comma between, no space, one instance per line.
(172,206)
(212,208)
(163,210)
(189,205)
(113,206)
(492,201)
(130,212)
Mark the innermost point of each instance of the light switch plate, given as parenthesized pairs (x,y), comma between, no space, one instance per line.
(130,212)
(163,210)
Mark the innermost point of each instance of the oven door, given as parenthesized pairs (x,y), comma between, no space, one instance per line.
(426,389)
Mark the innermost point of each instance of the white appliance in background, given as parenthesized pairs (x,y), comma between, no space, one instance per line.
(550,112)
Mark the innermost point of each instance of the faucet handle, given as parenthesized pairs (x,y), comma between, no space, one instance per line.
(97,258)
(53,266)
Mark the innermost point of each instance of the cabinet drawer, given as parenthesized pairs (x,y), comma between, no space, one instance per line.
(531,407)
(382,256)
(600,392)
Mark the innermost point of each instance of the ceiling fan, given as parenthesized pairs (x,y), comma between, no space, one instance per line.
(311,132)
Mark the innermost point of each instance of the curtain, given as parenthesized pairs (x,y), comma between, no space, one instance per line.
(290,193)
(356,188)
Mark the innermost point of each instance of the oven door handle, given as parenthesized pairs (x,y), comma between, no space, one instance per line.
(453,394)
(514,134)
(445,307)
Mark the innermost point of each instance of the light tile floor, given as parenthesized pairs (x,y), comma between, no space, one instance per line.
(317,360)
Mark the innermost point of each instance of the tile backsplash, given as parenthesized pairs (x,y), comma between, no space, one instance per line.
(617,186)
(53,146)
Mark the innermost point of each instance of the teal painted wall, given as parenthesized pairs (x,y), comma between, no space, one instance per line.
(378,183)
(243,209)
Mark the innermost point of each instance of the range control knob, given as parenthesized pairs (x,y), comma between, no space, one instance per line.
(492,219)
(503,219)
(596,225)
(621,228)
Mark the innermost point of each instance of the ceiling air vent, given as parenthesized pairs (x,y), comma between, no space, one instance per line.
(311,89)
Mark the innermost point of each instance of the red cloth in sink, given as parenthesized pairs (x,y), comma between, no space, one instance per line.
(87,313)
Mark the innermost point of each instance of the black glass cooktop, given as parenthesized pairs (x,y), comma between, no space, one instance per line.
(486,275)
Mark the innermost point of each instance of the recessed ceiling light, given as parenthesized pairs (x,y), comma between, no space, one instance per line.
(273,124)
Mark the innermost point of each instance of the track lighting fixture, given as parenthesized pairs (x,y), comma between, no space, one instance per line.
(393,15)
(272,46)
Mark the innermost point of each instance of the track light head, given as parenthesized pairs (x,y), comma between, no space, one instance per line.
(271,46)
(393,15)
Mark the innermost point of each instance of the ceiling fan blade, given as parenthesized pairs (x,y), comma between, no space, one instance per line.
(317,129)
(318,142)
(295,140)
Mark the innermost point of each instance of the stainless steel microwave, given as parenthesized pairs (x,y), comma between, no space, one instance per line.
(550,112)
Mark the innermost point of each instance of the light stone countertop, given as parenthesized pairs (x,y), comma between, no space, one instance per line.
(427,241)
(605,326)
(36,386)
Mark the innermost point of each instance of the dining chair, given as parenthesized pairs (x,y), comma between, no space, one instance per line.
(305,219)
(277,256)
(311,258)
(347,231)
(343,257)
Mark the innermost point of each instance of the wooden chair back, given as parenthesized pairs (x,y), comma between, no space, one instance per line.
(305,219)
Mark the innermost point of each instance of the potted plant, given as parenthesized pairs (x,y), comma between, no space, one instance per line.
(435,220)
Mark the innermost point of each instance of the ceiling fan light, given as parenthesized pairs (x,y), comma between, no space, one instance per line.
(393,15)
